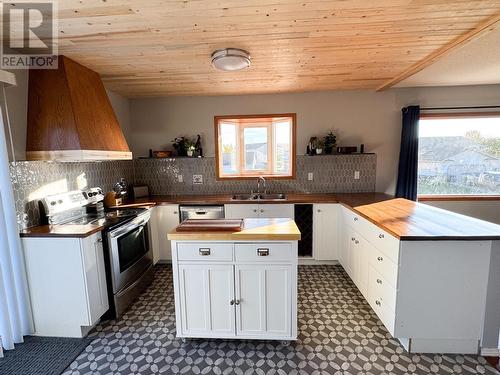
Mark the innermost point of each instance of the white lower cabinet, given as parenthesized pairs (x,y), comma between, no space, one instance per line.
(67,284)
(249,294)
(245,211)
(264,297)
(167,218)
(326,231)
(428,294)
(206,293)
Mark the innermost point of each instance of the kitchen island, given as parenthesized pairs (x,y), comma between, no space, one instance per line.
(238,285)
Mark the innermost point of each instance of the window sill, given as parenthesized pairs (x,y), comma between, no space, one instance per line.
(443,198)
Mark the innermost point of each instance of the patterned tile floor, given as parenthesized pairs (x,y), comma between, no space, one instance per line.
(338,334)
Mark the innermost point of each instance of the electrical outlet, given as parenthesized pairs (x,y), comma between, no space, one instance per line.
(356,175)
(310,176)
(180,178)
(197,179)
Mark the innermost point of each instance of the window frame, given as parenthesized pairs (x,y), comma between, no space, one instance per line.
(457,197)
(240,154)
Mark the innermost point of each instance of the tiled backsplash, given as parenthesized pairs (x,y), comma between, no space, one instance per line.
(331,173)
(33,180)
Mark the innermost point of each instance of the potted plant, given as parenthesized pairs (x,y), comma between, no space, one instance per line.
(189,145)
(319,146)
(179,146)
(330,141)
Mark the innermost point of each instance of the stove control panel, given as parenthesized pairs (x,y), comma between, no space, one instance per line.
(94,195)
(57,203)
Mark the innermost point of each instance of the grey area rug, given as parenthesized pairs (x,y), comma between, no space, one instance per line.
(42,355)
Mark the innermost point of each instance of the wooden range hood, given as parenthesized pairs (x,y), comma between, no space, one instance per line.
(70,117)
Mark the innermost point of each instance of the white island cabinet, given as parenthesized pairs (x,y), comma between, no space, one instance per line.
(237,285)
(67,284)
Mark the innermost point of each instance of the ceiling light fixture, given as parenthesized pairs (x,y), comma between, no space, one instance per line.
(231,59)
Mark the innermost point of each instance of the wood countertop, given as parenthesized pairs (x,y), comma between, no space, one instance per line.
(69,230)
(348,198)
(413,221)
(253,229)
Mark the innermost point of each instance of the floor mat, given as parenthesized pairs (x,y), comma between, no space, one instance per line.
(42,355)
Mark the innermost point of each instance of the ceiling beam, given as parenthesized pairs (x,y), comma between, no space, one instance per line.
(479,30)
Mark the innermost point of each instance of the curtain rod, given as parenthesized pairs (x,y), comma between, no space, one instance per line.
(448,108)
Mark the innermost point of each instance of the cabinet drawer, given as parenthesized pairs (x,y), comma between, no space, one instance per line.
(387,316)
(350,218)
(385,242)
(384,266)
(263,252)
(205,251)
(380,290)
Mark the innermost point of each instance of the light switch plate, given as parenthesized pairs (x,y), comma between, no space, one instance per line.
(180,178)
(197,179)
(310,176)
(356,175)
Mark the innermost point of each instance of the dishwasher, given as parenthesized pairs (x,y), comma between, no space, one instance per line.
(201,212)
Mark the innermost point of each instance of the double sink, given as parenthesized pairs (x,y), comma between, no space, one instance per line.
(259,197)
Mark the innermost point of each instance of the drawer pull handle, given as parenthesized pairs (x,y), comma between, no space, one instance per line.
(377,302)
(261,210)
(263,252)
(356,242)
(379,281)
(355,219)
(353,239)
(380,259)
(237,302)
(380,235)
(232,302)
(204,251)
(254,210)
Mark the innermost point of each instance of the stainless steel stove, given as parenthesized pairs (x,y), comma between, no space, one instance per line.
(127,251)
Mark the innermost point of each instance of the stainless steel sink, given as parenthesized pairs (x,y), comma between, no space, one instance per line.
(256,197)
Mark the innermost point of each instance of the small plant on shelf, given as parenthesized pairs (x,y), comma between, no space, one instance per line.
(190,146)
(320,144)
(330,141)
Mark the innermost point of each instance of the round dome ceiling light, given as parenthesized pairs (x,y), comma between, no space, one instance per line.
(231,59)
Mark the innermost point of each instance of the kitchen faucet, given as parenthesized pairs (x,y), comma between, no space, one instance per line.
(258,185)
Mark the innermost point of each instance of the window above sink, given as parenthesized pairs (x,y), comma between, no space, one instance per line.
(251,146)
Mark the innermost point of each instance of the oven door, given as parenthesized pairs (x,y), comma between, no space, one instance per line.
(130,253)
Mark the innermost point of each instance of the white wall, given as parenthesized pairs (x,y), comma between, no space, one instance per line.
(357,116)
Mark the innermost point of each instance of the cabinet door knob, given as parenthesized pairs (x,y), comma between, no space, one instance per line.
(175,212)
(379,281)
(99,240)
(355,219)
(204,251)
(261,210)
(237,302)
(254,210)
(380,259)
(356,242)
(319,210)
(380,235)
(353,239)
(263,252)
(232,302)
(377,302)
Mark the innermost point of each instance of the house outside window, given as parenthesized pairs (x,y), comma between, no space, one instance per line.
(459,155)
(255,145)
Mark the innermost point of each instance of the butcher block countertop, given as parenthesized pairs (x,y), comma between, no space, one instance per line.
(70,230)
(412,221)
(348,198)
(253,229)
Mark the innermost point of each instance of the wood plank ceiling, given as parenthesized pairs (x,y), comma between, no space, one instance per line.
(155,48)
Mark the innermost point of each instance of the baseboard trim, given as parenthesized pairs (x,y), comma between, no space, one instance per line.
(313,262)
(490,352)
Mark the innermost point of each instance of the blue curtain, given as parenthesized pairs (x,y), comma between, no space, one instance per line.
(408,154)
